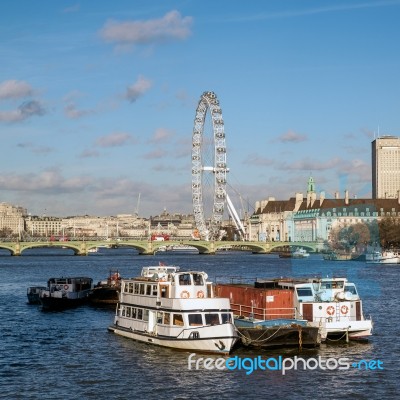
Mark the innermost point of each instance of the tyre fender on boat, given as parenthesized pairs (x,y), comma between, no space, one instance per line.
(185,294)
(330,310)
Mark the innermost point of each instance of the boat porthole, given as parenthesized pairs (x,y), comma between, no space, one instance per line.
(66,287)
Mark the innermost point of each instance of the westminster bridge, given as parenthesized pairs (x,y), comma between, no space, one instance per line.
(84,246)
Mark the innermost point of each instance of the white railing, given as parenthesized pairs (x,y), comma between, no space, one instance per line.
(263,313)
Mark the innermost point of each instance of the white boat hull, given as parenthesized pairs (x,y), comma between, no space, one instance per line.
(394,260)
(354,329)
(217,344)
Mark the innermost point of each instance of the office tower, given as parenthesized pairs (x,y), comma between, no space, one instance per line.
(386,167)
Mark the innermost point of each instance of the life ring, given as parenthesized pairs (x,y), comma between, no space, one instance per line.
(185,294)
(66,287)
(344,309)
(330,310)
(200,294)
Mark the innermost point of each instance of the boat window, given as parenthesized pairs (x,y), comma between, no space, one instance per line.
(178,319)
(196,319)
(305,291)
(164,291)
(134,312)
(146,315)
(130,289)
(128,312)
(226,318)
(159,317)
(148,290)
(136,288)
(154,290)
(212,319)
(184,279)
(123,311)
(140,313)
(198,279)
(351,289)
(332,285)
(166,318)
(141,288)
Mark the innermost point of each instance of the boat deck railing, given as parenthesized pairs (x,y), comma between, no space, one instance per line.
(263,313)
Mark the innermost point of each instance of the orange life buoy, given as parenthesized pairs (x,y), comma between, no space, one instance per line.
(200,294)
(185,294)
(344,309)
(330,310)
(66,287)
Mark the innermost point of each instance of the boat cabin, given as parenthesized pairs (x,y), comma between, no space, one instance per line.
(69,284)
(168,282)
(322,290)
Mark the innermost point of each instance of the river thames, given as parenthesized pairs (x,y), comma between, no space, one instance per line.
(72,355)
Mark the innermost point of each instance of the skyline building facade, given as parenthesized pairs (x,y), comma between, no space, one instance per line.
(386,167)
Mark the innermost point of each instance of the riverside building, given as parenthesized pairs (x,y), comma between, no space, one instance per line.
(386,167)
(311,218)
(11,219)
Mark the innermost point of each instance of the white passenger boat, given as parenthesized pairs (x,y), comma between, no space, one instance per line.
(331,303)
(385,257)
(300,253)
(170,308)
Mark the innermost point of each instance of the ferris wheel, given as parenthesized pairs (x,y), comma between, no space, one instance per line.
(208,167)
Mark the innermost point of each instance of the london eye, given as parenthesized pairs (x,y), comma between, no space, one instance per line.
(208,167)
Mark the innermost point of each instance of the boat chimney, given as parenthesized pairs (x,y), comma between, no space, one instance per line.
(337,195)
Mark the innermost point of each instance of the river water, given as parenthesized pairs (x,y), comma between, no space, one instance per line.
(71,354)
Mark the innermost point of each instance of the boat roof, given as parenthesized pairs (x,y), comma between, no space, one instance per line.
(70,277)
(159,269)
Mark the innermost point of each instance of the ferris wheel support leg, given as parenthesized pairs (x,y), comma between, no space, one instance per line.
(235,217)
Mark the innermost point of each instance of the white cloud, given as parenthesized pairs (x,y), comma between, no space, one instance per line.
(72,112)
(291,136)
(311,165)
(161,135)
(115,139)
(138,89)
(13,89)
(172,26)
(24,111)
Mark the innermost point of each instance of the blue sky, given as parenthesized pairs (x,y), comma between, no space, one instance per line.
(97,99)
